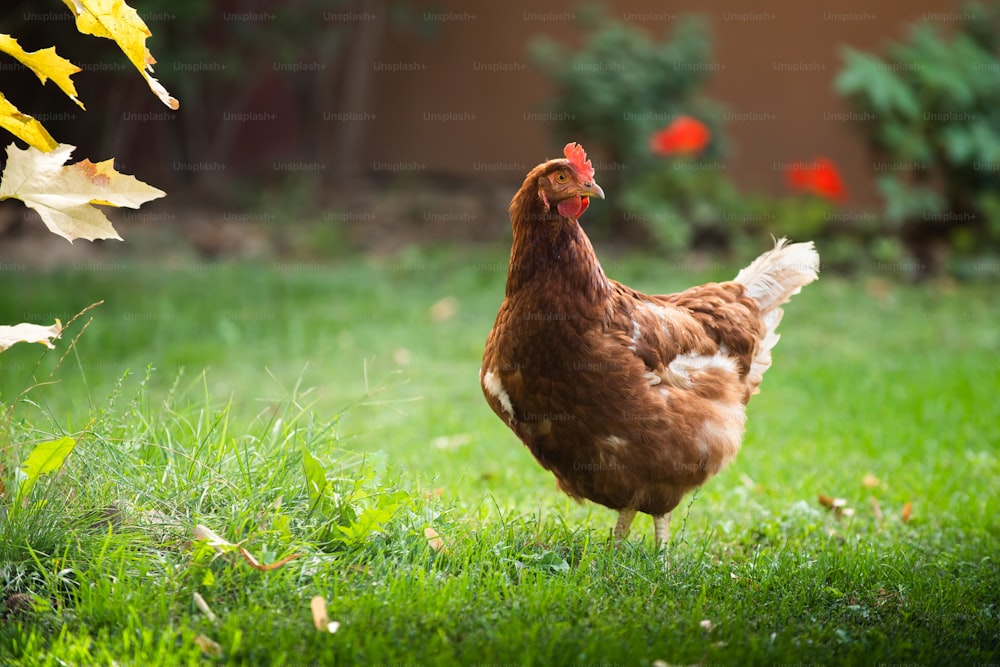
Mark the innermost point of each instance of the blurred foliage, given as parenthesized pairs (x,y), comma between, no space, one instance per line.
(690,205)
(931,107)
(289,63)
(621,86)
(618,89)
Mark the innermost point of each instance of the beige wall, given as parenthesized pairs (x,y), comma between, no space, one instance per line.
(450,114)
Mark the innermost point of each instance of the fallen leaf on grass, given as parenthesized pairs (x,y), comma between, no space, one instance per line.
(320,618)
(876,508)
(220,544)
(837,505)
(224,546)
(207,646)
(879,288)
(907,509)
(248,557)
(203,607)
(434,540)
(870,481)
(449,442)
(444,309)
(401,356)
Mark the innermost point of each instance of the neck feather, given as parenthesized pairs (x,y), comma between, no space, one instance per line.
(551,255)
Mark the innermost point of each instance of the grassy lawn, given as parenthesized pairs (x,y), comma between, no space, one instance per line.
(361,377)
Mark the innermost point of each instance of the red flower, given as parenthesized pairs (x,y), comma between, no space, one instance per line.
(684,136)
(819,177)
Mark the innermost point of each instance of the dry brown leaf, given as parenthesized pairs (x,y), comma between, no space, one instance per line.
(435,541)
(320,618)
(207,646)
(444,309)
(837,505)
(223,545)
(870,481)
(879,288)
(876,508)
(254,563)
(907,509)
(203,607)
(217,542)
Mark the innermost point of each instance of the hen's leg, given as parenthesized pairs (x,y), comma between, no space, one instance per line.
(624,522)
(661,527)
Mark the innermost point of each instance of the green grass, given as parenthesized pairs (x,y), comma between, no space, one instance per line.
(256,365)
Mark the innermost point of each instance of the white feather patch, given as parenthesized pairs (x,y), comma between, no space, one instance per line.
(668,376)
(664,314)
(492,384)
(721,435)
(685,365)
(614,442)
(779,273)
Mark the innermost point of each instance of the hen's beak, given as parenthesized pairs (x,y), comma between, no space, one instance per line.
(591,189)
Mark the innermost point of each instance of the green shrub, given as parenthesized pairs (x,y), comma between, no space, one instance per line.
(620,87)
(932,110)
(616,91)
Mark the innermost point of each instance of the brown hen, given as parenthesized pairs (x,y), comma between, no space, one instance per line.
(630,400)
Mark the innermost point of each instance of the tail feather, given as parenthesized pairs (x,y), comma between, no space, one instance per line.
(775,276)
(771,280)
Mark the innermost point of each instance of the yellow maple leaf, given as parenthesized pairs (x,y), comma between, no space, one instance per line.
(24,127)
(64,195)
(115,20)
(46,64)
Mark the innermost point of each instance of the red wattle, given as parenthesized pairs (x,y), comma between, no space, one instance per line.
(573,207)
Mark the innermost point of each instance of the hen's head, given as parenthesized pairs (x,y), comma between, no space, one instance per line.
(564,184)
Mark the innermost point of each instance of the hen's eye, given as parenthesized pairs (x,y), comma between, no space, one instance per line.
(561,177)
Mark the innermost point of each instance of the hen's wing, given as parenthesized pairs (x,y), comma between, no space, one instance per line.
(679,336)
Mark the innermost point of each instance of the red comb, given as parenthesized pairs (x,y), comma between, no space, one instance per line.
(578,158)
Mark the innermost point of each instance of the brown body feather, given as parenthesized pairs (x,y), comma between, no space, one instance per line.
(630,400)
